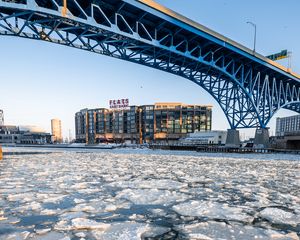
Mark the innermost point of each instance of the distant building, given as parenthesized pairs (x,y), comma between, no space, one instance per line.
(288,125)
(205,138)
(23,135)
(36,138)
(10,134)
(1,117)
(161,122)
(56,131)
(287,133)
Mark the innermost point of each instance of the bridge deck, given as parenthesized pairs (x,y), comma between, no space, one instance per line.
(258,57)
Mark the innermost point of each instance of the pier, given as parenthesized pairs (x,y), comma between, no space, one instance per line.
(221,149)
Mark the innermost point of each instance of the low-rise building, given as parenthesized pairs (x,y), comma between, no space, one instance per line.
(205,138)
(10,134)
(287,133)
(287,125)
(161,122)
(36,138)
(23,135)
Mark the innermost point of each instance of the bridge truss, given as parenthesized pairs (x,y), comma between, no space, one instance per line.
(249,89)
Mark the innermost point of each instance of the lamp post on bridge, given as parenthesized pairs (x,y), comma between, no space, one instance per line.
(254,25)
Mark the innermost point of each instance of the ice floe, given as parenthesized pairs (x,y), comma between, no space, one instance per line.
(215,230)
(279,216)
(212,210)
(149,194)
(87,224)
(129,231)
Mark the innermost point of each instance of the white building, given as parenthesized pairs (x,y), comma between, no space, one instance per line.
(205,138)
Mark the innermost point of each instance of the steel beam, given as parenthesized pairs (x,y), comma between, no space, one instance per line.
(248,93)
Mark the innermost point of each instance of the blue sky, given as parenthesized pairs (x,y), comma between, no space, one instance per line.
(40,81)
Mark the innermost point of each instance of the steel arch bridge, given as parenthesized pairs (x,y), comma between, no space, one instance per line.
(249,87)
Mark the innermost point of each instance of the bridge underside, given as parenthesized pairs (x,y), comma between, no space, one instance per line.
(249,91)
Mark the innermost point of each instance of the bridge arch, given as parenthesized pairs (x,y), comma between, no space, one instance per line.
(249,93)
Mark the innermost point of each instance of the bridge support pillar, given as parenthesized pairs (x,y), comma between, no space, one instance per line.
(233,138)
(261,139)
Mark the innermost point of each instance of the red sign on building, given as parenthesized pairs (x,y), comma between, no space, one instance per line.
(119,103)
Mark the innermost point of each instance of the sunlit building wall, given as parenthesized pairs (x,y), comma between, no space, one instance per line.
(56,131)
(161,122)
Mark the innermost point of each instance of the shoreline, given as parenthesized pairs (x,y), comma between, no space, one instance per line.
(204,149)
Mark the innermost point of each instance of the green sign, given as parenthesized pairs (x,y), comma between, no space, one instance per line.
(283,54)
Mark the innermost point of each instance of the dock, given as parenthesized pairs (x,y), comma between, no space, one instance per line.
(221,149)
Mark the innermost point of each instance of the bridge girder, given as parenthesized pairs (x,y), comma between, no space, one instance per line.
(248,93)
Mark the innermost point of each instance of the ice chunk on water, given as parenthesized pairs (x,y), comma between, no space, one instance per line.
(155,232)
(151,196)
(279,216)
(50,212)
(72,215)
(62,225)
(198,236)
(2,216)
(158,212)
(65,238)
(21,197)
(77,201)
(16,236)
(83,208)
(212,210)
(54,198)
(129,231)
(80,235)
(216,230)
(87,224)
(162,184)
(111,208)
(42,231)
(33,206)
(50,236)
(80,224)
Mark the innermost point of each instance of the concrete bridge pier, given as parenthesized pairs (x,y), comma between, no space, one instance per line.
(261,139)
(233,138)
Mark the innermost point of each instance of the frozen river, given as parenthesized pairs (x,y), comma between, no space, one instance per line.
(143,194)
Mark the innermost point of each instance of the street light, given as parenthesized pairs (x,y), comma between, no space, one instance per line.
(254,25)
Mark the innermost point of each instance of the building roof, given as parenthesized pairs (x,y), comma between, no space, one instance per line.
(174,104)
(159,105)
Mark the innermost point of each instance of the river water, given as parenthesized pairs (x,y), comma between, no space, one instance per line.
(145,194)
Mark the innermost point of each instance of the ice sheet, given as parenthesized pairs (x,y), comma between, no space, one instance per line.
(134,194)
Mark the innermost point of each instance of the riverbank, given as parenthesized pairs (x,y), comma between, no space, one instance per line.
(168,147)
(62,146)
(222,149)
